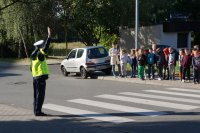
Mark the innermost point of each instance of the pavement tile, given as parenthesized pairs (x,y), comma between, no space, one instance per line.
(11,113)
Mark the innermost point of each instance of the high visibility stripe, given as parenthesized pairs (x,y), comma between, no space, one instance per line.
(41,50)
(117,107)
(149,102)
(161,97)
(88,114)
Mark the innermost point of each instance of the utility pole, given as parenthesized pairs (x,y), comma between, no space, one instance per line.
(136,23)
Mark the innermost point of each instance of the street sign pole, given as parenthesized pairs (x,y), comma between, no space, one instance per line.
(136,23)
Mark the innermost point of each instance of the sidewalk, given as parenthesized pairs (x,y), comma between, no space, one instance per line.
(12,113)
(175,83)
(27,62)
(20,120)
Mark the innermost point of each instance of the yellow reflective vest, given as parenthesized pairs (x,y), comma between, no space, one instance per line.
(38,67)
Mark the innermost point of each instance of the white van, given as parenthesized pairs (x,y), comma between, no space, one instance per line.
(86,61)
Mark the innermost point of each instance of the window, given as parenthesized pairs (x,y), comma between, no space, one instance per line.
(72,54)
(80,53)
(97,53)
(182,40)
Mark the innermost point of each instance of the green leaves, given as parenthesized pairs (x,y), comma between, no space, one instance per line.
(91,21)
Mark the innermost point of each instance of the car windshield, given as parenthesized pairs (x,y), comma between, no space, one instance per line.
(97,53)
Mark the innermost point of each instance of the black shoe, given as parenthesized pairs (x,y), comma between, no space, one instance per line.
(41,114)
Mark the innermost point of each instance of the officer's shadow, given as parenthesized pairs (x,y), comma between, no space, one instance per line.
(9,74)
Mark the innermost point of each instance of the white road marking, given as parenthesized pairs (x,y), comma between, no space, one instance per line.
(88,114)
(161,97)
(186,90)
(173,93)
(117,107)
(149,102)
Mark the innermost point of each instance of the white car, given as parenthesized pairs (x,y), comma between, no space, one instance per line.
(86,61)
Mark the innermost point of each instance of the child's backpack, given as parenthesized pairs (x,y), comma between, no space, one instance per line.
(151,59)
(129,60)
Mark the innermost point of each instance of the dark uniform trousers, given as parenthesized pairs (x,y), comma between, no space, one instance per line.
(39,85)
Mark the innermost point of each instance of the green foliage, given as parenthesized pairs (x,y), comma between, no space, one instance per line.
(22,22)
(107,39)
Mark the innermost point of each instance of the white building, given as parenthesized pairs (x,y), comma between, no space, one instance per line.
(174,34)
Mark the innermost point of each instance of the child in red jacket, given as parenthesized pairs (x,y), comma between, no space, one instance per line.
(166,68)
(185,64)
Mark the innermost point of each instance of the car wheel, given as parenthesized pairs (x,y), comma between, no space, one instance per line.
(84,73)
(93,76)
(78,74)
(64,71)
(108,71)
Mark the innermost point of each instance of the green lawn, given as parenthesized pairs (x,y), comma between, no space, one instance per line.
(59,49)
(71,45)
(56,51)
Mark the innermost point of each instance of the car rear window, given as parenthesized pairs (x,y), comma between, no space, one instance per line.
(97,53)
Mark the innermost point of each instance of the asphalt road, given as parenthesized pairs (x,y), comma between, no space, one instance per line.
(99,106)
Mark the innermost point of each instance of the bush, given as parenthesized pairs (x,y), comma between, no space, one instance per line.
(107,39)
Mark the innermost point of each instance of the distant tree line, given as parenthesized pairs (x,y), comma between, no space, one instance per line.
(22,22)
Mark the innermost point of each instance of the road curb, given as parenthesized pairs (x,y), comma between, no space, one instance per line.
(176,83)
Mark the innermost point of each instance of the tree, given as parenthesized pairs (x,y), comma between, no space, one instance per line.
(94,21)
(26,21)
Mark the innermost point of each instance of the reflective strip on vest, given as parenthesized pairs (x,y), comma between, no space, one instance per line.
(39,68)
(41,50)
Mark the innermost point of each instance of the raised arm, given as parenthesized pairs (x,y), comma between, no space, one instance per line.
(47,43)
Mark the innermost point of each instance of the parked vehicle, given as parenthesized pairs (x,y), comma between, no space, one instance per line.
(86,61)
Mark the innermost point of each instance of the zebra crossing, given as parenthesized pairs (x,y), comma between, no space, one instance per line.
(170,99)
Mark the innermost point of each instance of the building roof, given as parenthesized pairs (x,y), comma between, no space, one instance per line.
(181,26)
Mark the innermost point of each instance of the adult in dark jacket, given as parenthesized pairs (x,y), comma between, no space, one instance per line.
(196,66)
(160,63)
(40,73)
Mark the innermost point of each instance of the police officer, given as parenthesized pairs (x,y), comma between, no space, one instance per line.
(40,73)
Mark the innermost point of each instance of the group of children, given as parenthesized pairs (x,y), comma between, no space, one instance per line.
(164,60)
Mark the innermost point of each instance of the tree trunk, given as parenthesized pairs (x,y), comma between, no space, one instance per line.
(34,33)
(66,44)
(65,26)
(25,48)
(19,49)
